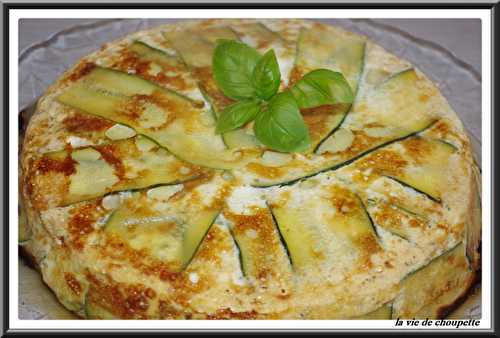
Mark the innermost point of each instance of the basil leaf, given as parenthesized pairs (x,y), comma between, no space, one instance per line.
(236,115)
(281,127)
(320,87)
(233,63)
(266,76)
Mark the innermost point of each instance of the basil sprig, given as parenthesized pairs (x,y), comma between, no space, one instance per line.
(233,64)
(266,76)
(320,87)
(253,80)
(237,115)
(280,126)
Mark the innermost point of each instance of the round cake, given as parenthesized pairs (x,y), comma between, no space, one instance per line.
(136,207)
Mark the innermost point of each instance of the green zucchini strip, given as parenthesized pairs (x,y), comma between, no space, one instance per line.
(406,185)
(199,61)
(153,111)
(345,163)
(282,239)
(336,53)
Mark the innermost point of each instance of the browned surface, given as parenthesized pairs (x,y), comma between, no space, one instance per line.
(82,70)
(73,283)
(131,62)
(80,122)
(80,224)
(124,300)
(65,166)
(317,119)
(111,154)
(208,85)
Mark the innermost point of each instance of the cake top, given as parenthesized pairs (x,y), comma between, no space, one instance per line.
(136,165)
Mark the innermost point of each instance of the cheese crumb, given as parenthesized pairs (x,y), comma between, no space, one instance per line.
(77,142)
(184,170)
(163,193)
(242,199)
(251,233)
(238,280)
(119,132)
(194,278)
(208,192)
(154,69)
(111,202)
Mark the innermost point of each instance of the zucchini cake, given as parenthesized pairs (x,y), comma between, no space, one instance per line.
(136,208)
